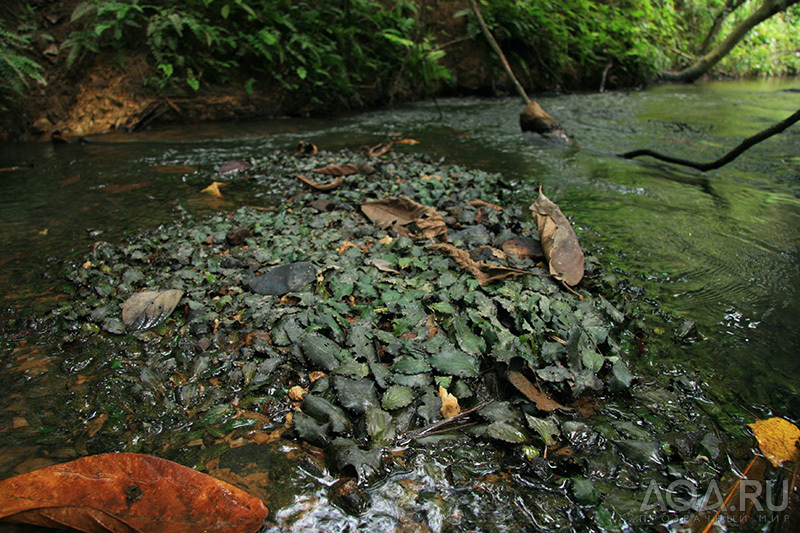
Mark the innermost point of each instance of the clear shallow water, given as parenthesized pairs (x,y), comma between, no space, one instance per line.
(721,248)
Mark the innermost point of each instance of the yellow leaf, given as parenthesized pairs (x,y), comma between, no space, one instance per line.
(214,188)
(777,438)
(450,406)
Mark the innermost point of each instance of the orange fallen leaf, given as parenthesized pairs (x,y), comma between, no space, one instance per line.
(477,202)
(533,393)
(406,141)
(380,149)
(450,407)
(777,438)
(214,188)
(128,493)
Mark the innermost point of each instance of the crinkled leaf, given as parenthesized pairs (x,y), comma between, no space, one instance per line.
(467,340)
(357,395)
(545,427)
(148,309)
(380,425)
(397,396)
(325,411)
(410,365)
(559,241)
(455,363)
(508,431)
(347,169)
(310,429)
(398,212)
(450,407)
(778,439)
(485,273)
(125,492)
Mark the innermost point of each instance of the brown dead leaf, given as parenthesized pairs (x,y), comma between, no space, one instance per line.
(347,169)
(399,212)
(321,186)
(143,310)
(128,493)
(380,149)
(306,149)
(450,407)
(533,393)
(485,273)
(406,141)
(174,169)
(477,202)
(561,248)
(523,247)
(214,188)
(297,392)
(777,438)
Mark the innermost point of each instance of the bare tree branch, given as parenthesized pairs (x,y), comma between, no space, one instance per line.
(727,158)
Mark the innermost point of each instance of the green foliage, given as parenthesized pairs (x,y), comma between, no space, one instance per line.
(317,48)
(585,36)
(770,49)
(17,70)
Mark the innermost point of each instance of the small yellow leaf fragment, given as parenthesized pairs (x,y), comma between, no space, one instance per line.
(450,407)
(214,188)
(386,240)
(777,438)
(296,393)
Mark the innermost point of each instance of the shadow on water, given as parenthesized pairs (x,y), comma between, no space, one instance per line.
(721,249)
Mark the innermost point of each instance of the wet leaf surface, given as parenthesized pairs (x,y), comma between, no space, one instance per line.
(144,310)
(284,279)
(778,439)
(125,492)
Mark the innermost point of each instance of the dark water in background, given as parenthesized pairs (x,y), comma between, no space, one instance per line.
(721,248)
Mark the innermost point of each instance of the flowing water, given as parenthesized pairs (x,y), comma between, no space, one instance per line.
(720,248)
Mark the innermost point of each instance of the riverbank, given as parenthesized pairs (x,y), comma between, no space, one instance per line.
(81,68)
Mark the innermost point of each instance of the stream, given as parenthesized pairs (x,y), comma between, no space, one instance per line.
(720,249)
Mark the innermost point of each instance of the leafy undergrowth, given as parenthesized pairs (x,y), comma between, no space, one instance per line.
(391,354)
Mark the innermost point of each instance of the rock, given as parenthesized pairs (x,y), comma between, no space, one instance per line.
(284,279)
(534,118)
(42,125)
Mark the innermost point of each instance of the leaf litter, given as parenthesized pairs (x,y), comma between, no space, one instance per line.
(392,320)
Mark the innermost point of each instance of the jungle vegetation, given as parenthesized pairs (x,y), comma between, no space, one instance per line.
(333,51)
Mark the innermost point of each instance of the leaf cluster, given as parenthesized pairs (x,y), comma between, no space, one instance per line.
(17,69)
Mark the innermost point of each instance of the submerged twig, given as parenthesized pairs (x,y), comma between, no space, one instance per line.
(414,435)
(727,158)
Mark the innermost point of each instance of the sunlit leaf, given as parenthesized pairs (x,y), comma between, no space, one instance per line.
(777,438)
(214,189)
(450,407)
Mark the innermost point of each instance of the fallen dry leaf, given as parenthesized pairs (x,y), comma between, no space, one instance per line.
(559,241)
(398,212)
(321,186)
(143,310)
(523,247)
(777,438)
(380,149)
(128,493)
(347,169)
(450,407)
(533,393)
(214,188)
(477,202)
(406,141)
(306,149)
(485,273)
(296,393)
